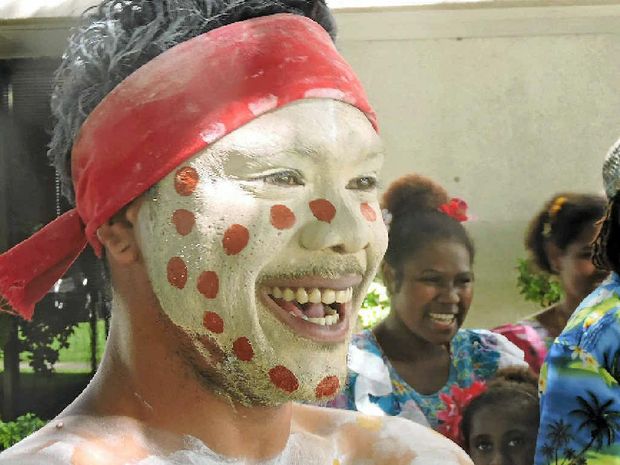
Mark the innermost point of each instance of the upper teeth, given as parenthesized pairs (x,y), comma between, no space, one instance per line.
(442,316)
(313,295)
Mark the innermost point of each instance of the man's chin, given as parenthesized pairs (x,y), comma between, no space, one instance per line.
(265,383)
(252,392)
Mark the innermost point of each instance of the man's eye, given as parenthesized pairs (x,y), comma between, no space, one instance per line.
(283,178)
(363,183)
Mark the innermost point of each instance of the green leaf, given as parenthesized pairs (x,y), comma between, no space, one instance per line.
(375,306)
(12,432)
(537,286)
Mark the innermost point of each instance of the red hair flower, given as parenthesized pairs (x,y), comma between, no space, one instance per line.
(456,402)
(455,208)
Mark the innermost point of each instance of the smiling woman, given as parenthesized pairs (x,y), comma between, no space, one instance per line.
(418,363)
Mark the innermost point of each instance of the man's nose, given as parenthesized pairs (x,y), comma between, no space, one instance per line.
(341,226)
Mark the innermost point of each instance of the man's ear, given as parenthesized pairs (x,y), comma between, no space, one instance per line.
(554,257)
(118,235)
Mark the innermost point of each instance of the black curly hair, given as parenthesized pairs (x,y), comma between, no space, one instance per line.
(561,221)
(118,36)
(413,202)
(606,254)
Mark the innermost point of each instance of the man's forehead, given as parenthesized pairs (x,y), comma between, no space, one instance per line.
(310,128)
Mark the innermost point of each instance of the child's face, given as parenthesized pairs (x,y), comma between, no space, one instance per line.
(507,438)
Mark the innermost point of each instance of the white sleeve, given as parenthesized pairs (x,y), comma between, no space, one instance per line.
(373,378)
(509,354)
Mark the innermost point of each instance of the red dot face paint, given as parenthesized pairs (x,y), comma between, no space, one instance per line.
(323,210)
(235,239)
(183,221)
(368,212)
(243,349)
(213,322)
(208,284)
(284,379)
(177,272)
(282,217)
(185,181)
(327,387)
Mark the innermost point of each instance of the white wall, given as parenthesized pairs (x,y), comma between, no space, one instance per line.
(503,106)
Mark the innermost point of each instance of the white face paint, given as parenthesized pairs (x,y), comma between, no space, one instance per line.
(242,238)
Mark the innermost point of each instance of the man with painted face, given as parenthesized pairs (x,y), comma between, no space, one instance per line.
(223,159)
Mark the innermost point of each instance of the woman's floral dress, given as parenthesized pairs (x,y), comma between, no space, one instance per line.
(529,336)
(580,385)
(374,387)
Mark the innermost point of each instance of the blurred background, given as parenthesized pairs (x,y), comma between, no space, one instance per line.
(502,102)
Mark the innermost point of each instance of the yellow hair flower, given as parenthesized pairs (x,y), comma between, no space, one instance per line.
(557,205)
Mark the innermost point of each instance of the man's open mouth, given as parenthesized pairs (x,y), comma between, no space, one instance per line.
(319,306)
(313,307)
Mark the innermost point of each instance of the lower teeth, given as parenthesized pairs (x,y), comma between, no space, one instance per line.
(327,320)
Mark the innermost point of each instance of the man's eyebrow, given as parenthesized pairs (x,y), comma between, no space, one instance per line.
(318,151)
(310,152)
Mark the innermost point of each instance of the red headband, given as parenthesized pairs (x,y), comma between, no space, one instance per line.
(164,113)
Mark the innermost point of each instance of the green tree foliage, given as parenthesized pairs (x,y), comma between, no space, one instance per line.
(11,432)
(49,330)
(375,306)
(537,286)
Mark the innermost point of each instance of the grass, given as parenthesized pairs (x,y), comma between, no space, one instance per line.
(48,395)
(79,344)
(77,355)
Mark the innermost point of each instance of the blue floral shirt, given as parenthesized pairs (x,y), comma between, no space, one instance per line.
(374,386)
(580,385)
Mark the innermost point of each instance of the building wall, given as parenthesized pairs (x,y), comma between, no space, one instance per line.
(503,106)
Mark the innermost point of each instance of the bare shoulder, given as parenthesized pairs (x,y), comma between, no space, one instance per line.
(379,440)
(44,447)
(79,441)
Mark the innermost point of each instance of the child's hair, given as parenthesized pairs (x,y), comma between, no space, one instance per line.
(509,385)
(413,203)
(560,222)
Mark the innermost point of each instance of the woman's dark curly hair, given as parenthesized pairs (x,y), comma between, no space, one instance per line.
(509,386)
(118,36)
(413,202)
(607,244)
(561,221)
